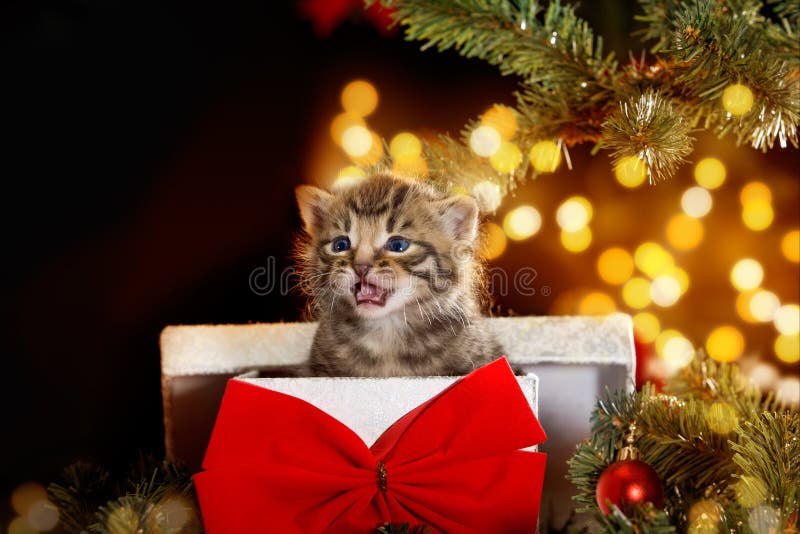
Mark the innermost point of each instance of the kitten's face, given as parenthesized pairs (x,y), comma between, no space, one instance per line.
(385,244)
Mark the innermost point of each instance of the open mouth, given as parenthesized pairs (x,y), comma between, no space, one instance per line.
(366,293)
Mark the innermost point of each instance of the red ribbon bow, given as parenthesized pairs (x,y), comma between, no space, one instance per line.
(277,464)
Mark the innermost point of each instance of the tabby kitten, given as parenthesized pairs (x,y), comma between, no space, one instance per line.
(391,269)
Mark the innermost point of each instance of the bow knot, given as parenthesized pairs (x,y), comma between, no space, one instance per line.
(382,477)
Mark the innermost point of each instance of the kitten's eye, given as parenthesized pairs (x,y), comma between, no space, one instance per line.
(340,244)
(397,244)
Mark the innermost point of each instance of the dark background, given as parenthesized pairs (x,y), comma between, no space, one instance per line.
(150,153)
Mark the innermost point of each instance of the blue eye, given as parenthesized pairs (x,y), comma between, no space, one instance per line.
(397,244)
(340,244)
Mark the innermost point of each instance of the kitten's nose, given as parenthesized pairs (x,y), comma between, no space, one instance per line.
(361,270)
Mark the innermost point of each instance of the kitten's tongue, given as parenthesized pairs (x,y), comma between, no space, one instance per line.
(369,293)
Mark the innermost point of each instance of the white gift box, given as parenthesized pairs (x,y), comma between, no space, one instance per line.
(574,358)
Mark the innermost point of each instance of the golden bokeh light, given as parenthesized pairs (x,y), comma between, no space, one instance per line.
(488,195)
(501,118)
(709,173)
(522,222)
(630,171)
(755,191)
(356,141)
(647,326)
(757,215)
(43,515)
(721,417)
(763,305)
(787,319)
(596,303)
(678,352)
(747,274)
(787,347)
(348,177)
(704,515)
(665,291)
(405,145)
(743,306)
(506,158)
(576,241)
(458,190)
(342,122)
(359,98)
(737,99)
(790,246)
(545,156)
(681,276)
(615,265)
(494,241)
(574,213)
(412,166)
(25,495)
(373,155)
(684,232)
(696,202)
(21,525)
(725,344)
(636,293)
(485,141)
(663,338)
(652,259)
(750,491)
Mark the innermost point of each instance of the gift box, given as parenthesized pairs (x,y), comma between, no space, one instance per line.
(575,359)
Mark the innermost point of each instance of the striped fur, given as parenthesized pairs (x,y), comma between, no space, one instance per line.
(430,323)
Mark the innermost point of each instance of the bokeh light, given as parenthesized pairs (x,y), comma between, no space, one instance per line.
(709,173)
(630,171)
(506,158)
(790,246)
(488,195)
(787,347)
(721,417)
(410,166)
(348,177)
(704,515)
(405,145)
(743,306)
(665,291)
(494,241)
(25,495)
(485,141)
(663,337)
(501,118)
(545,156)
(747,274)
(681,276)
(374,154)
(755,191)
(522,222)
(725,344)
(576,241)
(678,352)
(21,525)
(43,515)
(359,98)
(787,319)
(636,293)
(763,305)
(763,374)
(684,232)
(342,122)
(766,519)
(788,390)
(750,491)
(652,259)
(647,326)
(757,215)
(356,141)
(737,99)
(574,213)
(615,265)
(696,202)
(596,303)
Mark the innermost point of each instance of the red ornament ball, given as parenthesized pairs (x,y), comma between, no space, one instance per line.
(629,482)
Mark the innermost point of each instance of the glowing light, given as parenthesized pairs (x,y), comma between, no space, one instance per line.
(458,190)
(410,166)
(360,98)
(576,241)
(788,390)
(684,232)
(630,171)
(356,141)
(750,491)
(342,122)
(43,515)
(678,352)
(755,191)
(485,141)
(763,375)
(545,156)
(721,417)
(787,319)
(709,173)
(652,259)
(405,145)
(25,495)
(737,99)
(348,177)
(21,525)
(787,347)
(502,119)
(665,291)
(636,293)
(747,274)
(704,514)
(596,303)
(494,241)
(374,153)
(790,246)
(696,202)
(615,265)
(488,195)
(757,215)
(743,306)
(573,214)
(725,344)
(681,276)
(522,222)
(663,337)
(763,305)
(647,326)
(506,158)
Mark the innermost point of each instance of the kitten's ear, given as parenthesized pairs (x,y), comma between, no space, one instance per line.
(314,204)
(460,214)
